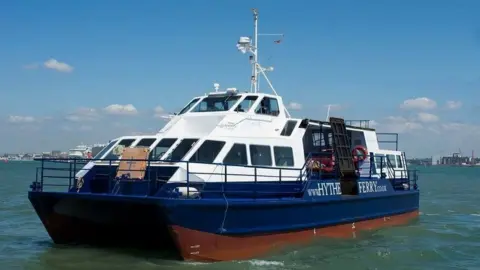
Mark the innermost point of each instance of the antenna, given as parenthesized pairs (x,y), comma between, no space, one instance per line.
(328,112)
(216,86)
(246,44)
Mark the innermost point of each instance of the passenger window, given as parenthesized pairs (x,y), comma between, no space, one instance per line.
(237,155)
(288,128)
(283,156)
(268,106)
(207,152)
(161,148)
(145,142)
(246,104)
(380,161)
(261,155)
(190,105)
(399,162)
(123,143)
(391,160)
(182,149)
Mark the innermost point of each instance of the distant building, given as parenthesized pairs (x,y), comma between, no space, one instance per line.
(455,159)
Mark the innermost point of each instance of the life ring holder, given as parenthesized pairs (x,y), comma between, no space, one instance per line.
(363,150)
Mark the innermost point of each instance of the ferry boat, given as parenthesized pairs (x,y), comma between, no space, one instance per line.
(232,176)
(80,151)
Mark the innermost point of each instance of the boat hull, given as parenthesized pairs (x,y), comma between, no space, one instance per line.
(215,229)
(207,247)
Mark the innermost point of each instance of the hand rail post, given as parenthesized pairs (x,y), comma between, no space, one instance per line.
(110,174)
(69,176)
(188,179)
(41,174)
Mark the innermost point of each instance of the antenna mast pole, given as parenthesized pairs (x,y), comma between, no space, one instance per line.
(255,50)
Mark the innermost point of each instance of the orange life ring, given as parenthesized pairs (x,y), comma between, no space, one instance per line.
(363,150)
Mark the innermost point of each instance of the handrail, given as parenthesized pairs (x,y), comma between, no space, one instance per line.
(304,173)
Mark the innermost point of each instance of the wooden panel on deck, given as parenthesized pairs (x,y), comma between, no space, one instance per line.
(134,162)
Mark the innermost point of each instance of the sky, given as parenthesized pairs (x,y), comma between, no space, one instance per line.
(88,71)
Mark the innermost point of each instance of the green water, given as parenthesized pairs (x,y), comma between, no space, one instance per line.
(446,236)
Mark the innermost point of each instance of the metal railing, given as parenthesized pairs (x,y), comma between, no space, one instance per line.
(69,168)
(106,171)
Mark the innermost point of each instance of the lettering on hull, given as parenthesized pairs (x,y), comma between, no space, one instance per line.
(371,187)
(325,189)
(329,189)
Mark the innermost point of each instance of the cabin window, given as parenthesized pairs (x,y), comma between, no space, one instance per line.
(288,128)
(125,143)
(283,156)
(246,104)
(261,155)
(207,152)
(268,106)
(189,105)
(380,161)
(237,155)
(216,103)
(399,162)
(182,149)
(104,150)
(161,148)
(145,142)
(391,160)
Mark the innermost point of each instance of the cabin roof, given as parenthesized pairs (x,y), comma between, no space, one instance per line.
(348,123)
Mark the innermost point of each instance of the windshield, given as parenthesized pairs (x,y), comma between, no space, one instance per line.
(190,105)
(112,155)
(216,103)
(104,150)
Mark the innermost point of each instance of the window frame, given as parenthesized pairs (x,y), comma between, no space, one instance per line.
(215,153)
(226,98)
(277,147)
(245,98)
(114,157)
(245,152)
(399,161)
(259,106)
(269,154)
(147,146)
(153,151)
(172,151)
(189,106)
(285,129)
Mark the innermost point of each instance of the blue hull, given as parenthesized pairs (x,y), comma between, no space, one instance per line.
(221,226)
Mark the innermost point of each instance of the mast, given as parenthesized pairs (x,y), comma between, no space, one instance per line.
(255,46)
(246,44)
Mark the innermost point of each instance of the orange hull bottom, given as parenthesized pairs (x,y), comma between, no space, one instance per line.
(207,247)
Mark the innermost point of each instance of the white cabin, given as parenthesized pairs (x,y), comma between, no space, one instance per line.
(244,129)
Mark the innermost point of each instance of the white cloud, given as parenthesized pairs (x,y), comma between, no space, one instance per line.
(21,119)
(422,103)
(83,114)
(398,124)
(294,106)
(118,109)
(452,105)
(58,66)
(427,117)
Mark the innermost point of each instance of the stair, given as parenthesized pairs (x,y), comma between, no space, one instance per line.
(343,157)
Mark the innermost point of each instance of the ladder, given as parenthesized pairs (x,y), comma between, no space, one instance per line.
(343,157)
